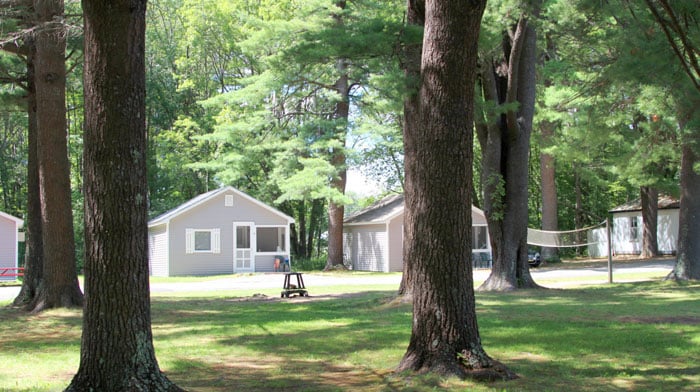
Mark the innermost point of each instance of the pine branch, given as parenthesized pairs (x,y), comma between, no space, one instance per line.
(689,65)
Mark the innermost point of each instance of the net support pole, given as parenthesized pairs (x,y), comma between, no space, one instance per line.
(610,269)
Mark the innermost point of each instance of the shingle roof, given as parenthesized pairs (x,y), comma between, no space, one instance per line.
(378,212)
(665,202)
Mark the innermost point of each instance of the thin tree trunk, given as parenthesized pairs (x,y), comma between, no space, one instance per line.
(578,211)
(445,335)
(650,207)
(549,191)
(59,287)
(336,210)
(315,220)
(116,352)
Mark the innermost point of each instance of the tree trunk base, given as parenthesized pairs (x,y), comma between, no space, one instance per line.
(157,383)
(68,297)
(504,285)
(468,364)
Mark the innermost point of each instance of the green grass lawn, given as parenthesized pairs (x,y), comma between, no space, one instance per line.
(621,337)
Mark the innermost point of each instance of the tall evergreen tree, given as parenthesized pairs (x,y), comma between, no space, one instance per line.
(59,287)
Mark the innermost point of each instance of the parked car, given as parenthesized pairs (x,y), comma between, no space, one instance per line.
(534,258)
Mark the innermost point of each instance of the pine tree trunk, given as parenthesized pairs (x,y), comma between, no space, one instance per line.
(650,206)
(688,261)
(549,192)
(445,335)
(34,252)
(59,287)
(116,352)
(411,64)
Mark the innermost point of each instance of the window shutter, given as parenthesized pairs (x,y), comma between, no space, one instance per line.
(189,240)
(216,241)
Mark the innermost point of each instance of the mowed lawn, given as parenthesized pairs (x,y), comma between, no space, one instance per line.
(620,337)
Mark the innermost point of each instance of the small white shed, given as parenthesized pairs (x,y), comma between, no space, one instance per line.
(628,227)
(9,239)
(373,237)
(219,232)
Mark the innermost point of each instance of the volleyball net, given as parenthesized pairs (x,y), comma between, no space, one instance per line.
(594,237)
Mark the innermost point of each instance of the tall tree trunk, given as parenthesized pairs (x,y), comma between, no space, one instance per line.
(301,248)
(445,335)
(34,251)
(315,223)
(650,207)
(336,210)
(59,287)
(688,261)
(505,144)
(411,64)
(116,352)
(550,206)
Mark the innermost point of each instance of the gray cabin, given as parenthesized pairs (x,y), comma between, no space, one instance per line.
(224,231)
(373,237)
(9,239)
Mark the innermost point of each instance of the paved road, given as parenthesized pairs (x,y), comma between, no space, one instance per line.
(596,274)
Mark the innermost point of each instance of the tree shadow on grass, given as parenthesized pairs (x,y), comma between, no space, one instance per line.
(271,374)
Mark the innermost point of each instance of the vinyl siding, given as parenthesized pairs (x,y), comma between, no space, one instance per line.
(213,214)
(395,243)
(158,251)
(369,245)
(8,245)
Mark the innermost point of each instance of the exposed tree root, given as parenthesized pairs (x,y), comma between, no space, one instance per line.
(472,364)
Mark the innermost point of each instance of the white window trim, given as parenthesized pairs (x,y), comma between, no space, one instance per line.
(215,246)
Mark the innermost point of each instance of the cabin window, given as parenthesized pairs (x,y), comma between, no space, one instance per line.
(202,241)
(634,228)
(479,237)
(271,239)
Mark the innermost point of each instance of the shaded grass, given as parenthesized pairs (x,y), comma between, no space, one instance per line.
(622,337)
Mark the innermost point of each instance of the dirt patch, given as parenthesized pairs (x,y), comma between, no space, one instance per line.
(686,320)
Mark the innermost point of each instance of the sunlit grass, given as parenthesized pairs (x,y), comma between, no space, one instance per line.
(620,337)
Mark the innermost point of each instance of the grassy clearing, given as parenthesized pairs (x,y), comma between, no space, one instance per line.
(622,337)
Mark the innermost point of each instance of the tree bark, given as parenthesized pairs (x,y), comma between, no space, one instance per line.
(550,204)
(336,210)
(34,252)
(650,207)
(116,352)
(505,144)
(445,335)
(688,261)
(59,287)
(411,64)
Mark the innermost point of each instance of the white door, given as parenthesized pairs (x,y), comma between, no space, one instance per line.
(243,247)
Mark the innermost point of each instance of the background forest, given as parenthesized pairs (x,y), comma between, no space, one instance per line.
(281,98)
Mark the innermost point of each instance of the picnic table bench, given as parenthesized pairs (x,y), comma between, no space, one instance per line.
(11,271)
